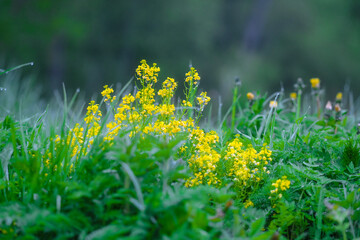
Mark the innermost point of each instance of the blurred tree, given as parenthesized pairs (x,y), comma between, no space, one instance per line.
(255,27)
(90,43)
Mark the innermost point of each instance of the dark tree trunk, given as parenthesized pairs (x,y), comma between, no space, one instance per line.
(255,27)
(57,62)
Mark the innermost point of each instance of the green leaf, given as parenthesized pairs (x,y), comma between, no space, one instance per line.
(265,236)
(107,232)
(200,219)
(256,227)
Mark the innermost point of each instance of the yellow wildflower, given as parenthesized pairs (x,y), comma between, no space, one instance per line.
(273,104)
(315,83)
(280,185)
(293,96)
(192,76)
(186,103)
(93,113)
(339,96)
(128,99)
(248,203)
(203,100)
(204,161)
(166,109)
(146,74)
(107,94)
(246,165)
(168,88)
(92,120)
(183,149)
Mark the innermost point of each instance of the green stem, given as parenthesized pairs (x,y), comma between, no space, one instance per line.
(234,108)
(298,105)
(344,234)
(318,106)
(272,126)
(15,68)
(336,128)
(190,112)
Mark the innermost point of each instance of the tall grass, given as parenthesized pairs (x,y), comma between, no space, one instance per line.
(146,185)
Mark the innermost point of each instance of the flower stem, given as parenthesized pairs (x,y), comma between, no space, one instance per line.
(298,107)
(318,106)
(234,108)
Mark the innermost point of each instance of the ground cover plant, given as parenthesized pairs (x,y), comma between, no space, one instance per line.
(139,163)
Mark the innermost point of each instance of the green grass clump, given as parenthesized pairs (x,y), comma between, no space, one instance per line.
(138,165)
(351,154)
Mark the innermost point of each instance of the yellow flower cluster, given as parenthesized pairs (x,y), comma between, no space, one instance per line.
(74,139)
(186,103)
(123,112)
(203,100)
(147,74)
(146,100)
(280,185)
(192,76)
(47,156)
(171,128)
(168,89)
(142,114)
(166,109)
(92,120)
(93,113)
(131,111)
(5,232)
(248,203)
(246,165)
(107,94)
(203,162)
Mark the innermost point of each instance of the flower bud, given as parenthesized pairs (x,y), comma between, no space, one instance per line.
(339,96)
(273,104)
(250,96)
(337,107)
(328,106)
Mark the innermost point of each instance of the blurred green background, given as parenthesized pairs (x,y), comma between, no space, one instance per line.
(266,43)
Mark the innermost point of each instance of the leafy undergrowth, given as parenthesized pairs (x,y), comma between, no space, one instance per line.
(138,165)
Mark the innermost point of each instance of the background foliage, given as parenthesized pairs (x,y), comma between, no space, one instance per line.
(264,42)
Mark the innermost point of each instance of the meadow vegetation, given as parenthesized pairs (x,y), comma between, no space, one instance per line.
(141,164)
